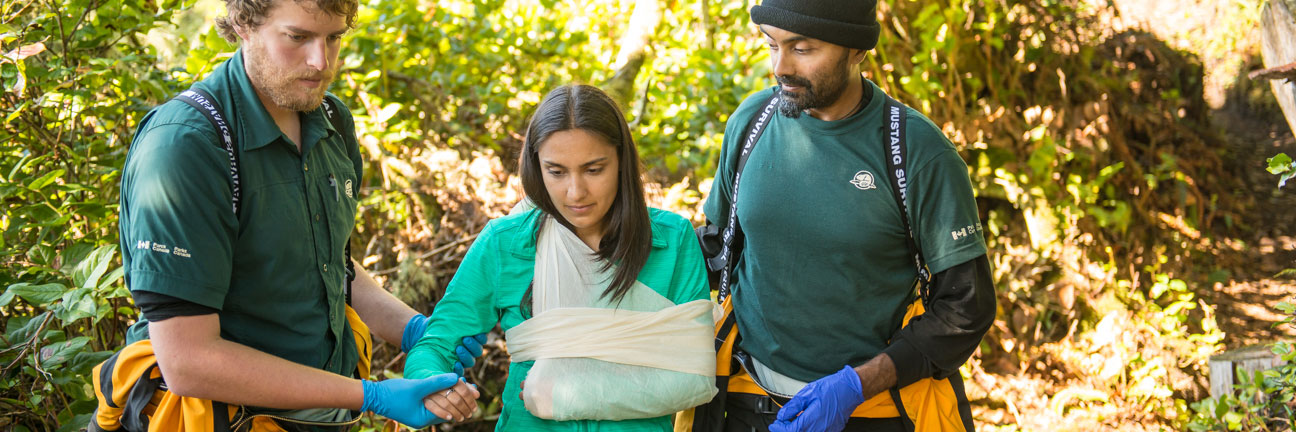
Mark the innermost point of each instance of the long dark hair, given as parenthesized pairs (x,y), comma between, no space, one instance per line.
(627,236)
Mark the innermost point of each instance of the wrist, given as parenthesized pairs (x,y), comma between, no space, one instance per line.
(876,376)
(368,395)
(414,329)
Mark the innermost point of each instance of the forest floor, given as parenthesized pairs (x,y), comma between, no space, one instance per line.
(1260,243)
(1253,126)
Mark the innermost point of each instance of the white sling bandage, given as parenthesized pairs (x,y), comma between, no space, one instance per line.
(640,358)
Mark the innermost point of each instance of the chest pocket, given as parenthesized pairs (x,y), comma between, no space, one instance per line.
(338,189)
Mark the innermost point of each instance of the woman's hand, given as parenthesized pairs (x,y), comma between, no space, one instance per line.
(455,404)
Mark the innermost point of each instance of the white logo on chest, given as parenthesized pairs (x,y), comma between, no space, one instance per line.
(348,189)
(863,180)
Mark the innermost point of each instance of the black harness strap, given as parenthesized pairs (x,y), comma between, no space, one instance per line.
(205,104)
(133,417)
(723,261)
(897,156)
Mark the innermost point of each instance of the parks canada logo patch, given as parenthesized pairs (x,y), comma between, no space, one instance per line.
(863,180)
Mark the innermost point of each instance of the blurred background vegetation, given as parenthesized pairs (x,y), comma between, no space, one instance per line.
(1117,149)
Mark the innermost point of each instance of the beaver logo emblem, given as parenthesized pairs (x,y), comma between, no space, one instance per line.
(863,180)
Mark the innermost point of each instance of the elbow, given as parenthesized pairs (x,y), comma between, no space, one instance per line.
(987,303)
(179,377)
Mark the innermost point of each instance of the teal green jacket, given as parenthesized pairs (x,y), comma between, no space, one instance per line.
(488,289)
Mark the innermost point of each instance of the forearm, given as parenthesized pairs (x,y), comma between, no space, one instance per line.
(940,340)
(385,314)
(196,362)
(876,375)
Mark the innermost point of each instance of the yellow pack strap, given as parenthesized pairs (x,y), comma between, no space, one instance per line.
(363,341)
(124,384)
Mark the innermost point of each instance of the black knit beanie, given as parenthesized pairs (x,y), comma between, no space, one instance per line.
(852,24)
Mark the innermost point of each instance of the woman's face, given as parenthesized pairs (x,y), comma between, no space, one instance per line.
(580,173)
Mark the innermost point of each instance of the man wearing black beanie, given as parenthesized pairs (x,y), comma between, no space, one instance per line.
(826,263)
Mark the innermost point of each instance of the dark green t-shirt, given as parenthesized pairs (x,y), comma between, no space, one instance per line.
(276,273)
(826,274)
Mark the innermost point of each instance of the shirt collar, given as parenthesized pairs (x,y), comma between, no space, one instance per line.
(524,245)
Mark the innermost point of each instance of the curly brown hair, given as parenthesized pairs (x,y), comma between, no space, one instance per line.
(250,13)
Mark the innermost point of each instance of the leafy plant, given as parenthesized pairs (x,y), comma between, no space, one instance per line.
(1263,401)
(76,78)
(1282,166)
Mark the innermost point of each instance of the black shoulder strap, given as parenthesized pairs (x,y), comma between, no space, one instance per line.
(330,113)
(897,158)
(722,261)
(205,104)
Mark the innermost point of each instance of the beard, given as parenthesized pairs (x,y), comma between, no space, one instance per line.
(279,84)
(819,91)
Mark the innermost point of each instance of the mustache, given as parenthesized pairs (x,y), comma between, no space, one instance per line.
(793,80)
(324,75)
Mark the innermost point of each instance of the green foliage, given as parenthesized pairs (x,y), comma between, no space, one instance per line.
(469,81)
(76,79)
(1263,401)
(1282,166)
(1173,335)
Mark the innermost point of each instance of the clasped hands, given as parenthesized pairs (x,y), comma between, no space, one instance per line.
(422,402)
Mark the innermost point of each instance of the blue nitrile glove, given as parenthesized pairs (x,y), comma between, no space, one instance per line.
(823,405)
(402,399)
(467,351)
(414,330)
(469,347)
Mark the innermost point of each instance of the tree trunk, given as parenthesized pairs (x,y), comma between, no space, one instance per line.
(633,51)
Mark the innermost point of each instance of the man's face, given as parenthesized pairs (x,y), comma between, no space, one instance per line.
(291,58)
(811,73)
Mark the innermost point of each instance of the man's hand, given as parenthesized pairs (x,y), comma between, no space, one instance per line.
(414,330)
(823,405)
(457,404)
(468,350)
(402,399)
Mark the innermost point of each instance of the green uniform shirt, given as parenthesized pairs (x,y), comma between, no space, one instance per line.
(276,273)
(489,286)
(825,273)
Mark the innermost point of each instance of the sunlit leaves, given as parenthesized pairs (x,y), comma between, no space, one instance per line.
(1282,166)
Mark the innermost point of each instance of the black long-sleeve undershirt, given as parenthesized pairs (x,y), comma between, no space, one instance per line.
(157,307)
(961,309)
